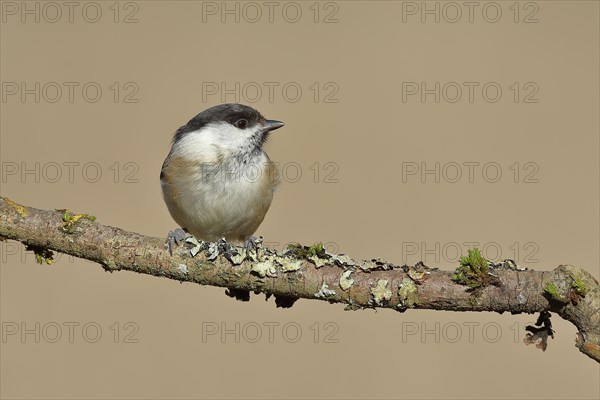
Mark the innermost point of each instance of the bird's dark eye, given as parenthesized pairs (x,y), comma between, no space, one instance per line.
(241,123)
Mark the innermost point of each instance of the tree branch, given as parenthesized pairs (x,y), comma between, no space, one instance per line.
(311,273)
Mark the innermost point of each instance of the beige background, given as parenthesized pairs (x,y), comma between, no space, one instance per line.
(370,211)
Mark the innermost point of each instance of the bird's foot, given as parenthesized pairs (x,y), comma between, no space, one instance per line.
(175,237)
(178,236)
(252,245)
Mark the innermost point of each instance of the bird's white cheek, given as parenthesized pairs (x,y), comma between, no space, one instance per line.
(213,142)
(232,140)
(196,146)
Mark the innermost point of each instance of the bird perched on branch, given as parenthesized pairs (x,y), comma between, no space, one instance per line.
(217,180)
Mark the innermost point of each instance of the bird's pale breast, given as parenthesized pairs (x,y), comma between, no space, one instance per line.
(230,201)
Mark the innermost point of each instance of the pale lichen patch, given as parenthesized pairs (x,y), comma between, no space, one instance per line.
(408,294)
(237,258)
(264,269)
(345,282)
(213,251)
(343,260)
(375,264)
(325,291)
(418,276)
(197,245)
(291,266)
(381,293)
(319,262)
(182,268)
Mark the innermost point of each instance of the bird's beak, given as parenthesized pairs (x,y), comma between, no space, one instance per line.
(271,125)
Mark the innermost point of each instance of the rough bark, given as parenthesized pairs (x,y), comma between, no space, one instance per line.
(311,273)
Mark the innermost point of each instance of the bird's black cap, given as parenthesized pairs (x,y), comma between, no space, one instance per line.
(230,112)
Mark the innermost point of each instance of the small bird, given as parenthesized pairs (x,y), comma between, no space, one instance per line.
(217,181)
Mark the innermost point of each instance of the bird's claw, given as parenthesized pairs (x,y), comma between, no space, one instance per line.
(252,246)
(176,237)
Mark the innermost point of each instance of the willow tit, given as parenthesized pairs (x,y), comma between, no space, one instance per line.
(217,181)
